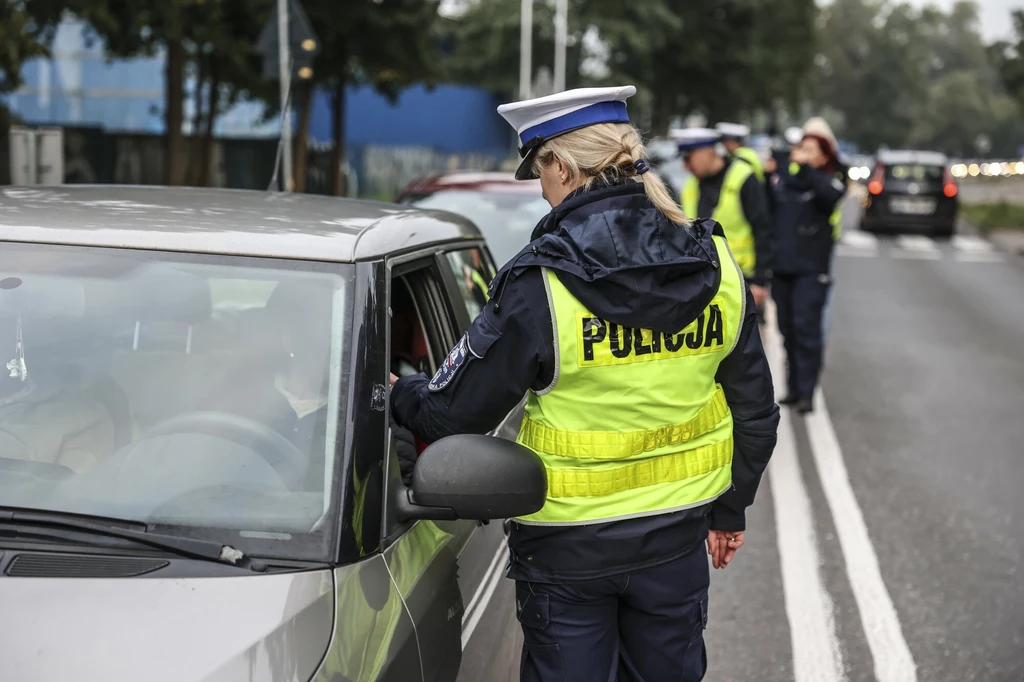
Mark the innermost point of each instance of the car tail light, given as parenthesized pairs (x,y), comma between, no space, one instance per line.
(876,185)
(949,187)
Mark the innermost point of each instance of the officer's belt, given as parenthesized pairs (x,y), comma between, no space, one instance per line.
(620,445)
(662,469)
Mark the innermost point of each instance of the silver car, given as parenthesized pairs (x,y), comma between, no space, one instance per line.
(198,479)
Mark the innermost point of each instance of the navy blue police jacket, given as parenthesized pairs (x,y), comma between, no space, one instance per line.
(804,203)
(625,261)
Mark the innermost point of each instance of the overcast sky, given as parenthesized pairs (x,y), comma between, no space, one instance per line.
(995,15)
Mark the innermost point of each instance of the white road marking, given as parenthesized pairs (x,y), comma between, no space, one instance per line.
(478,604)
(843,250)
(972,244)
(916,247)
(893,661)
(858,239)
(979,257)
(817,656)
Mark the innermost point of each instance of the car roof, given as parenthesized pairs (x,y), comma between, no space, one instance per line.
(219,221)
(490,181)
(906,156)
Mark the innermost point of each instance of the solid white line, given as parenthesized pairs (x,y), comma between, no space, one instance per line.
(817,656)
(893,661)
(494,565)
(489,585)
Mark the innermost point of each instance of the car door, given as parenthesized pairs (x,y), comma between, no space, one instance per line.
(491,638)
(423,556)
(467,556)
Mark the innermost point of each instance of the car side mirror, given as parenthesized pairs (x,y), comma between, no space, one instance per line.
(476,478)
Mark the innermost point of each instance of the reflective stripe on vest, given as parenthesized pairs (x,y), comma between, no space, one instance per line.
(634,423)
(728,213)
(620,445)
(751,157)
(479,280)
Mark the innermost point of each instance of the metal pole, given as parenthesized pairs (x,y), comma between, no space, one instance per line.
(561,33)
(525,49)
(284,72)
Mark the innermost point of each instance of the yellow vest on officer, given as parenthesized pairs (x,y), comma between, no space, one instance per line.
(728,213)
(480,282)
(634,423)
(750,156)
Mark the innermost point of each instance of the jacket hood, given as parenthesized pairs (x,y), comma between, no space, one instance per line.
(624,260)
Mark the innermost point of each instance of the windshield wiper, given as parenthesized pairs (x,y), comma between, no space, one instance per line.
(187,547)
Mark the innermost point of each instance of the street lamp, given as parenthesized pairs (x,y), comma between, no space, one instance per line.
(561,36)
(525,48)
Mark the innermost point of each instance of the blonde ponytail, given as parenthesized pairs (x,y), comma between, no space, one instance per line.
(608,151)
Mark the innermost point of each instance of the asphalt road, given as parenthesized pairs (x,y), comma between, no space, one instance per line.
(886,541)
(902,558)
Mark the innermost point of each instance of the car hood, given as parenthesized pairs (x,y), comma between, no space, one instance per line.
(260,627)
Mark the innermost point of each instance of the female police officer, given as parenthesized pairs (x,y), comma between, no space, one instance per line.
(650,401)
(805,196)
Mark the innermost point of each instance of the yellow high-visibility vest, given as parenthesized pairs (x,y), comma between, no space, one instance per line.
(728,213)
(634,423)
(750,156)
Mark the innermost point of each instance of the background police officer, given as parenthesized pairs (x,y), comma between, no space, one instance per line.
(734,139)
(650,401)
(806,197)
(727,190)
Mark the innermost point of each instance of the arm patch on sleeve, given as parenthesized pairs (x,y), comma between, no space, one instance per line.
(448,369)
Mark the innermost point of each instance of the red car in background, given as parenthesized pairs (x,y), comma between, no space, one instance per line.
(505,209)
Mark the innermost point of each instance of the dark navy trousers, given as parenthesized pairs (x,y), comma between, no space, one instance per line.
(800,302)
(646,626)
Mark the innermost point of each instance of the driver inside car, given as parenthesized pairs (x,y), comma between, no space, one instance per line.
(286,387)
(47,413)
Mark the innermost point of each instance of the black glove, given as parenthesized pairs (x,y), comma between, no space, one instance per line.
(405,446)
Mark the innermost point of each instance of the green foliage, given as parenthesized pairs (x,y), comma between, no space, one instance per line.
(900,75)
(987,217)
(19,42)
(388,44)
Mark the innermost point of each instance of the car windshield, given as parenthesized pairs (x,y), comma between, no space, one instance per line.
(506,219)
(915,173)
(197,394)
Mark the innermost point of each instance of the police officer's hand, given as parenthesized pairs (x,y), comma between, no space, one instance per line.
(405,446)
(759,293)
(722,546)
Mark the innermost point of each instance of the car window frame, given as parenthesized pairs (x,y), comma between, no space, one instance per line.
(463,319)
(440,340)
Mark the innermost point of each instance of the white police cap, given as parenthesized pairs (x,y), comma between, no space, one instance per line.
(794,135)
(733,131)
(688,139)
(541,119)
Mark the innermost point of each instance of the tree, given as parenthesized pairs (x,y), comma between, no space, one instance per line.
(387,44)
(19,43)
(217,36)
(1008,59)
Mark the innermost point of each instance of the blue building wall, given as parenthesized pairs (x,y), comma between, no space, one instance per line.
(447,118)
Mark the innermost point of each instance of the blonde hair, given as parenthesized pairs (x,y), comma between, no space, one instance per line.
(607,151)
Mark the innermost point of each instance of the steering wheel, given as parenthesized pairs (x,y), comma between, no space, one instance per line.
(287,460)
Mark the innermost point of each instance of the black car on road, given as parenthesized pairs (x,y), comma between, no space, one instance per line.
(911,191)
